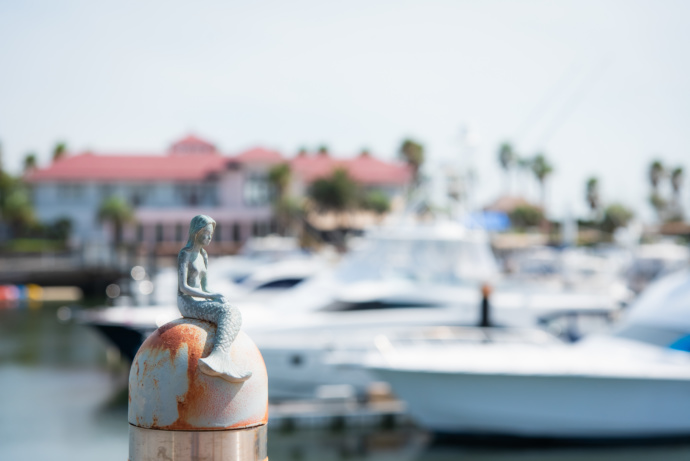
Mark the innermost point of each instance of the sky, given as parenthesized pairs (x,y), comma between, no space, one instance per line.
(600,87)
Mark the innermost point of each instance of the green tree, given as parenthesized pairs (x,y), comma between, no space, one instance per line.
(279,176)
(376,201)
(337,192)
(677,180)
(507,159)
(17,209)
(60,229)
(615,216)
(541,169)
(526,216)
(15,204)
(30,163)
(659,204)
(676,186)
(59,151)
(656,173)
(118,213)
(287,210)
(592,195)
(323,150)
(413,153)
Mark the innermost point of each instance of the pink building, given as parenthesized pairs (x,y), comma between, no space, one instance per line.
(192,178)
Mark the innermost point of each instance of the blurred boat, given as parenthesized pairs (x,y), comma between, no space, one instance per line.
(400,277)
(630,384)
(397,276)
(655,260)
(265,264)
(265,268)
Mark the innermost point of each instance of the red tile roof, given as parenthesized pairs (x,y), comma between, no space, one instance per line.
(130,168)
(260,155)
(192,145)
(196,164)
(364,169)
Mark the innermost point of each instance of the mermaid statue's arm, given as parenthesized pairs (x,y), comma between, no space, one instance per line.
(182,263)
(204,279)
(204,287)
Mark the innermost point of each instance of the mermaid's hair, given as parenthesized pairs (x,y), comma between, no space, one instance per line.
(198,223)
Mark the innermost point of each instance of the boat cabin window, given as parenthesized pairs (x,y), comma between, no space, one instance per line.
(424,260)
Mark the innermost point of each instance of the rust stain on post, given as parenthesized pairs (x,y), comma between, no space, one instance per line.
(208,402)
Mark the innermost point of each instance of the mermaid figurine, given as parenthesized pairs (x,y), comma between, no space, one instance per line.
(196,301)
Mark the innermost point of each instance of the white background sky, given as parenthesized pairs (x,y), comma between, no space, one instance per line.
(602,87)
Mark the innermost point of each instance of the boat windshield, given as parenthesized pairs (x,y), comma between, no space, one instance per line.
(419,260)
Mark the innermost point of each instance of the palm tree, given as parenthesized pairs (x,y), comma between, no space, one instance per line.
(592,195)
(677,184)
(118,212)
(413,153)
(507,159)
(59,151)
(286,209)
(677,180)
(30,163)
(656,173)
(541,169)
(279,176)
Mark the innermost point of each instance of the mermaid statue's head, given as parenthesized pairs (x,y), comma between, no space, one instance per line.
(198,223)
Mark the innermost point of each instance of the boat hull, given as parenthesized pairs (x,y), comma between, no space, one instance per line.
(543,406)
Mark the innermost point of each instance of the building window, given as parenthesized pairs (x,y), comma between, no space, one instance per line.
(209,194)
(257,190)
(179,236)
(260,228)
(139,194)
(140,233)
(218,233)
(159,233)
(236,232)
(70,192)
(189,194)
(107,190)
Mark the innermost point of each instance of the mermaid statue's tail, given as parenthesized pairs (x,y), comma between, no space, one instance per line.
(219,363)
(228,320)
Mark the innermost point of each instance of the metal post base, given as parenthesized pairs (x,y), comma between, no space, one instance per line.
(231,445)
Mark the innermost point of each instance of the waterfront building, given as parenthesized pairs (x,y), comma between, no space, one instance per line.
(192,177)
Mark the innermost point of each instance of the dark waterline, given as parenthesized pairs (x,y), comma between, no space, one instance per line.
(63,397)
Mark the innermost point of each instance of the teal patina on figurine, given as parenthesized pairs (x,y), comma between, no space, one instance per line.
(196,301)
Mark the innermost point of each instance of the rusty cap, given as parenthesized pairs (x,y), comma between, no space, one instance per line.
(167,390)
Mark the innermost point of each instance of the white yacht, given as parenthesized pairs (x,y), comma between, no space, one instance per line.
(632,383)
(653,260)
(399,277)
